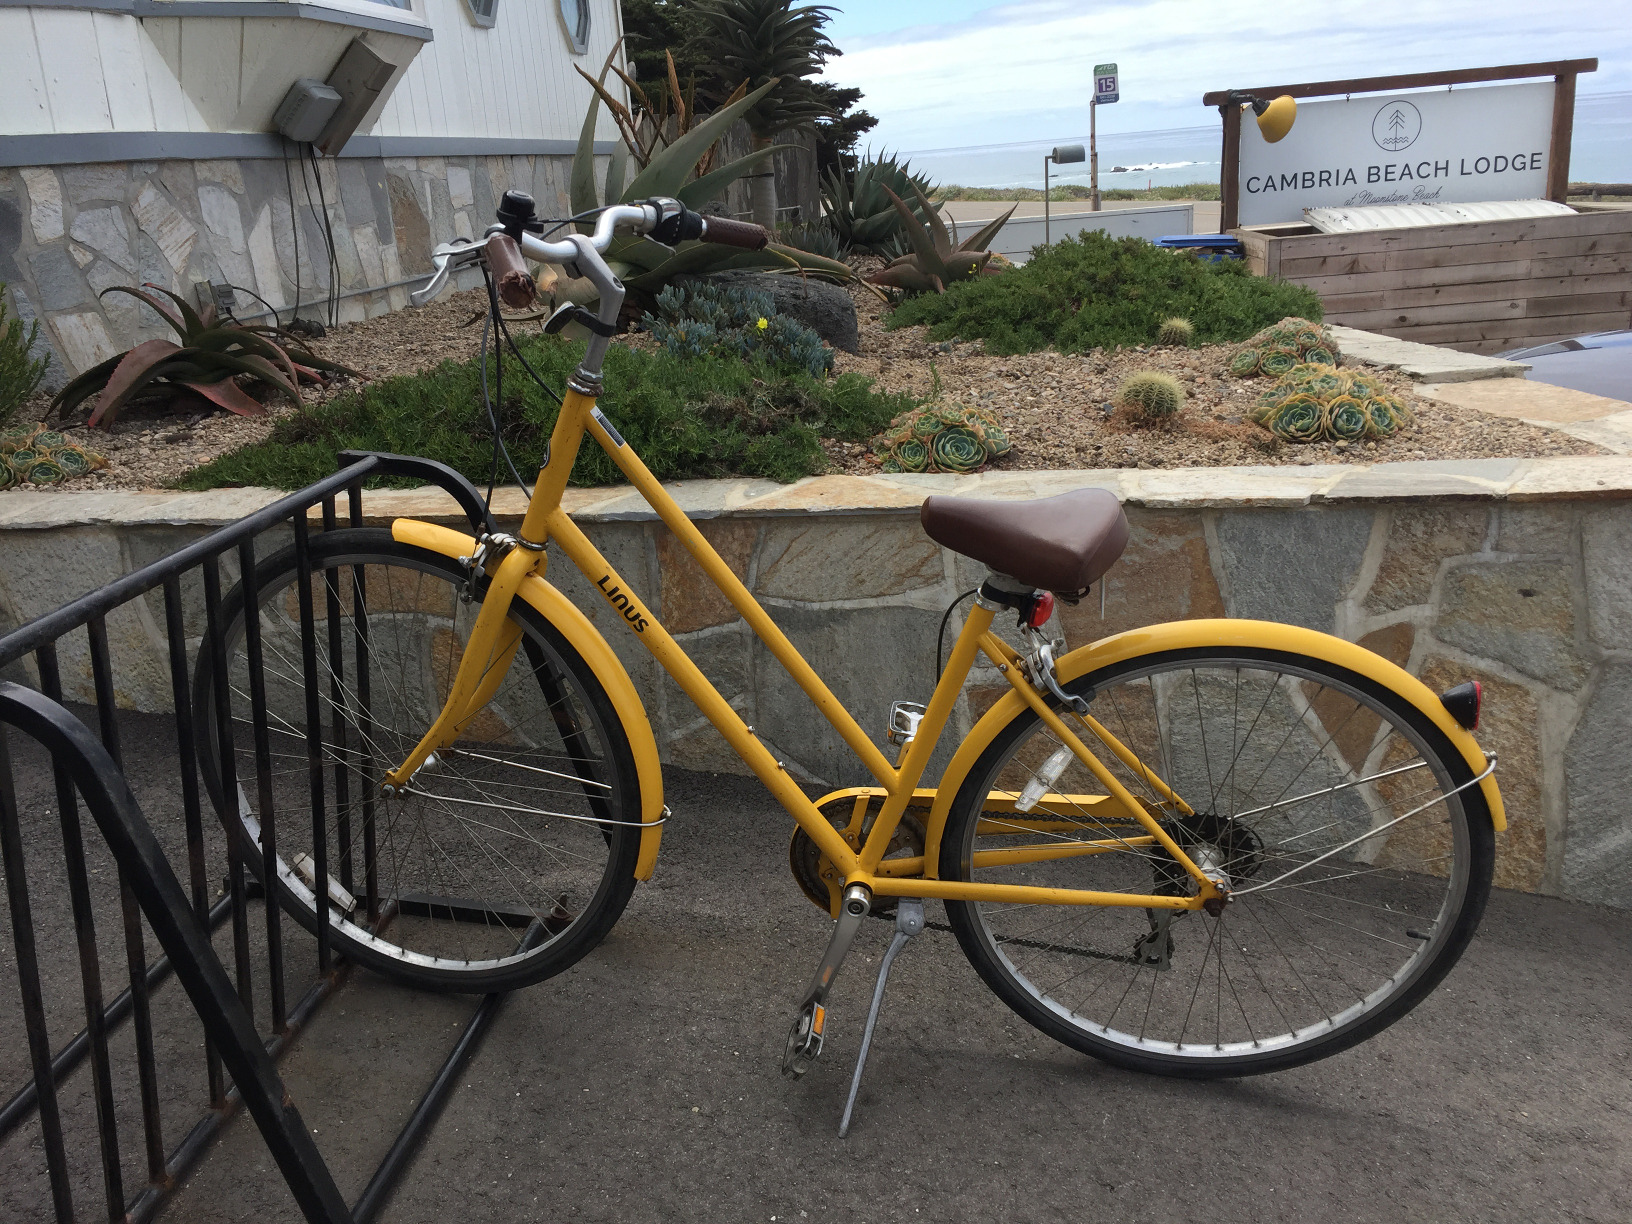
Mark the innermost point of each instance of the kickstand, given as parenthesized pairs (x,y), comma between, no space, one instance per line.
(909,920)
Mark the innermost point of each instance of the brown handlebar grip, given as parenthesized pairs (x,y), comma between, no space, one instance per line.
(516,288)
(726,232)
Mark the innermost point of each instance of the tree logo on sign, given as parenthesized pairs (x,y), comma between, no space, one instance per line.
(1396,126)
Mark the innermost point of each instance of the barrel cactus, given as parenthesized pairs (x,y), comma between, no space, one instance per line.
(1151,397)
(1278,348)
(1176,333)
(1313,402)
(39,456)
(944,437)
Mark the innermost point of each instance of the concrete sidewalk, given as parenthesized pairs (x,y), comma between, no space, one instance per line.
(642,1085)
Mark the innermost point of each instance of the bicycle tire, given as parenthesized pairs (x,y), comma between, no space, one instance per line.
(1061,967)
(456,886)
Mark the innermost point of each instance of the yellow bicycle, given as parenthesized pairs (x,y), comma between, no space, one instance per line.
(1201,848)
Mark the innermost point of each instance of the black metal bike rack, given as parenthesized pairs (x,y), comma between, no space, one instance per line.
(87,769)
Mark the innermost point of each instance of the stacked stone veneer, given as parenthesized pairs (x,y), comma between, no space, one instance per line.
(69,232)
(1516,573)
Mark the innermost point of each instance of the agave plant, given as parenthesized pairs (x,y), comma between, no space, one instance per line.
(212,353)
(934,262)
(858,206)
(647,266)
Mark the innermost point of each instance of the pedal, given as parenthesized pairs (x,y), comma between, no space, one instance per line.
(804,1040)
(904,719)
(809,1026)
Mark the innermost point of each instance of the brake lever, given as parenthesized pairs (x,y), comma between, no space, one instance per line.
(445,258)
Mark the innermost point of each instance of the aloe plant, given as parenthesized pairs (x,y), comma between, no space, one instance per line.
(647,266)
(934,263)
(858,207)
(212,353)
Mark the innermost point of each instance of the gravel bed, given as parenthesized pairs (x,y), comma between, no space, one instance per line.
(1055,406)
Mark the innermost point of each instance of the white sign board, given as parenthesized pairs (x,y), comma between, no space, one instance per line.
(1434,147)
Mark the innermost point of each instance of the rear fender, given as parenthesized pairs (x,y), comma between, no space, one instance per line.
(1184,635)
(609,670)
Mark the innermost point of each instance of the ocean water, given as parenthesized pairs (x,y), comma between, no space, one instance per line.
(1601,152)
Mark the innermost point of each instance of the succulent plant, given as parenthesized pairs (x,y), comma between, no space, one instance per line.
(40,456)
(1150,396)
(944,437)
(1176,332)
(814,238)
(647,266)
(934,263)
(212,353)
(701,319)
(20,371)
(860,210)
(1279,347)
(1314,402)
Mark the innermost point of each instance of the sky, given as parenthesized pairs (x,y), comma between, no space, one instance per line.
(956,73)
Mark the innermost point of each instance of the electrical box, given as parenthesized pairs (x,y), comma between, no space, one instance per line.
(218,294)
(306,110)
(362,79)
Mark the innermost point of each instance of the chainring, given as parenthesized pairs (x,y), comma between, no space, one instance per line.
(817,877)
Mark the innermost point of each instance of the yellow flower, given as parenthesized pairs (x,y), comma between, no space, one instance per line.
(762,324)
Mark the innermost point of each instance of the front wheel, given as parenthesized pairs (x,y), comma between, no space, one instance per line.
(509,857)
(1327,800)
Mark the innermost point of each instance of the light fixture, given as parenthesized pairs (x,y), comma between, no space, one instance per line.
(1060,155)
(1275,118)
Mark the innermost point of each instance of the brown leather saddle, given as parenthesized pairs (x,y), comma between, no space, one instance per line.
(1061,544)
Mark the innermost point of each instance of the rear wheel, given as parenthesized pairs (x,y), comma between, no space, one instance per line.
(1357,875)
(510,857)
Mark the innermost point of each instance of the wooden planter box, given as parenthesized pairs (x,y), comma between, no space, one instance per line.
(1482,287)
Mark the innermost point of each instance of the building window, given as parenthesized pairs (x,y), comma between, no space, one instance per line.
(483,12)
(575,16)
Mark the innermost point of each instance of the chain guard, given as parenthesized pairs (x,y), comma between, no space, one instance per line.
(816,876)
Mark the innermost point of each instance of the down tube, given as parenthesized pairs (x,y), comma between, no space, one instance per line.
(678,664)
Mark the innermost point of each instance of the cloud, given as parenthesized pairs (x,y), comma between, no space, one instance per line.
(1022,71)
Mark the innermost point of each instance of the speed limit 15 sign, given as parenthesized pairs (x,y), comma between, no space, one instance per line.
(1105,83)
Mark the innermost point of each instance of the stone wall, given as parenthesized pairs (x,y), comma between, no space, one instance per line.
(1516,573)
(69,232)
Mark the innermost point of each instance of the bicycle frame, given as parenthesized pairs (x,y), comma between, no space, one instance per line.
(494,639)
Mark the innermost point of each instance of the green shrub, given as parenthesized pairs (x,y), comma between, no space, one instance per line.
(1151,397)
(705,319)
(687,418)
(20,374)
(1093,291)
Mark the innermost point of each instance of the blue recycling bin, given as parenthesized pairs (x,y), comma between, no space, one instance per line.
(1208,246)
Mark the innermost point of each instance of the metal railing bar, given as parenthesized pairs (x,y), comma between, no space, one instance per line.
(191,1149)
(21,1106)
(430,1106)
(28,982)
(365,710)
(337,664)
(249,583)
(147,1071)
(94,1037)
(28,638)
(143,864)
(215,642)
(192,810)
(314,737)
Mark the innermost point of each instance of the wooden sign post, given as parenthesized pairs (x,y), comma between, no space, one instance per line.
(1563,73)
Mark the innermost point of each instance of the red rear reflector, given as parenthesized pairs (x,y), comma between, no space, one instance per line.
(1042,607)
(1462,703)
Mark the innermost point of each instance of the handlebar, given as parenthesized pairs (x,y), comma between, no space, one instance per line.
(665,219)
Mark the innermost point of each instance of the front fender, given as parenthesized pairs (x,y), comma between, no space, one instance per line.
(577,628)
(1189,634)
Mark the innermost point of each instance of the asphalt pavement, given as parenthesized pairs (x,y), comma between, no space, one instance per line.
(644,1084)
